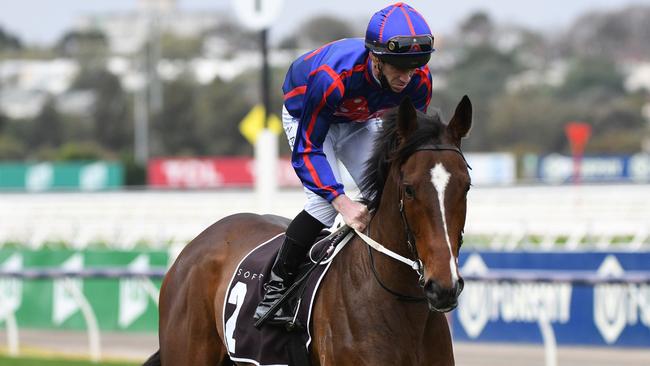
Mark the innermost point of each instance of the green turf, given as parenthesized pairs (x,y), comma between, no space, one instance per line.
(20,361)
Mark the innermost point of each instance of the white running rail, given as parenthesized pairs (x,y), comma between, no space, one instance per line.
(503,218)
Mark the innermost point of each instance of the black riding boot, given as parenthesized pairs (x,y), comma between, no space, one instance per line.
(282,275)
(300,235)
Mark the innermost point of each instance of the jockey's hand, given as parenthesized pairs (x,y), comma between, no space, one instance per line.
(355,214)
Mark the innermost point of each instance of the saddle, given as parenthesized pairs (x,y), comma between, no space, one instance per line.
(276,345)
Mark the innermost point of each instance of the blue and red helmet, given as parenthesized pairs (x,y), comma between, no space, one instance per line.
(400,36)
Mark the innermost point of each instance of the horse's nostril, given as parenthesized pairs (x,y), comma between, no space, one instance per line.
(432,287)
(442,299)
(460,285)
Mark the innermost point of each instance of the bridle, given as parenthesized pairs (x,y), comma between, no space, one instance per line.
(410,238)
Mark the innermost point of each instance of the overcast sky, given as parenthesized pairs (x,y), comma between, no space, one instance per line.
(44,21)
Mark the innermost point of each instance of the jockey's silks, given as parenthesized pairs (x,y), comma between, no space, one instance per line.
(334,84)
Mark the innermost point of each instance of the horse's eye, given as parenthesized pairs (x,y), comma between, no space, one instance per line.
(409,191)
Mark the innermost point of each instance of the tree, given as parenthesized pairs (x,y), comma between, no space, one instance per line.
(534,121)
(594,76)
(228,38)
(11,148)
(47,129)
(88,150)
(9,42)
(89,48)
(3,121)
(174,129)
(531,121)
(176,47)
(318,31)
(111,115)
(617,124)
(478,28)
(112,118)
(621,34)
(481,73)
(221,107)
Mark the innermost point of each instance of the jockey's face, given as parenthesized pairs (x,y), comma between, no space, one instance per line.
(397,78)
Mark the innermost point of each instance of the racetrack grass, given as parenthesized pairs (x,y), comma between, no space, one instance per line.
(34,361)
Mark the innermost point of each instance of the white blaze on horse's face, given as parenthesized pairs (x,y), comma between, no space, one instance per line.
(440,179)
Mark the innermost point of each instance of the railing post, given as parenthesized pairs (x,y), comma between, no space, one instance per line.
(12,334)
(548,336)
(94,343)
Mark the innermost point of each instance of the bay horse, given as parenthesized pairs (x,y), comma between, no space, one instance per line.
(418,182)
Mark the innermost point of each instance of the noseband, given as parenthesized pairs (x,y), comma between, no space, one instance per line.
(410,238)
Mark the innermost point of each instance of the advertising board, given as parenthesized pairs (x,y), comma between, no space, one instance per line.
(604,314)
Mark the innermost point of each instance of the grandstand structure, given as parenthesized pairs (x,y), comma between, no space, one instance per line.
(501,218)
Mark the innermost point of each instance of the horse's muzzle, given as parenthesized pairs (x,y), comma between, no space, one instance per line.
(442,299)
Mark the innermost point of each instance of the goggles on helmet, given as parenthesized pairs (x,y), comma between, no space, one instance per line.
(410,44)
(403,45)
(405,52)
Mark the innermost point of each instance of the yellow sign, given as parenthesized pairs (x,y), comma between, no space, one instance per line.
(253,124)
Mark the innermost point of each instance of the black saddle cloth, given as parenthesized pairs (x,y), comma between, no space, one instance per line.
(268,345)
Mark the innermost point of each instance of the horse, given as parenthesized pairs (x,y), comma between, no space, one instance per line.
(417,180)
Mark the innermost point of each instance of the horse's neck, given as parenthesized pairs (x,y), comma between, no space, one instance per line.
(386,228)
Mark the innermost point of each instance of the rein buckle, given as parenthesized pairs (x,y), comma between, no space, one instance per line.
(418,266)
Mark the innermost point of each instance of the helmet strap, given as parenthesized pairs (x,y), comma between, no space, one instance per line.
(383,81)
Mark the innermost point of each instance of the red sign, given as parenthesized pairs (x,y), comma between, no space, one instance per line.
(212,173)
(578,134)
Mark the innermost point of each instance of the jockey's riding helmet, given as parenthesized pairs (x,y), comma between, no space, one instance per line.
(400,36)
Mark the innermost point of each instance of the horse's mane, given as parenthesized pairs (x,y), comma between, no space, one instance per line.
(387,150)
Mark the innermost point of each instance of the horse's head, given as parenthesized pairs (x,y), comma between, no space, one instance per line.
(433,183)
(428,180)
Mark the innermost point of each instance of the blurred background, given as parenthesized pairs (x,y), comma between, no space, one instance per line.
(127,127)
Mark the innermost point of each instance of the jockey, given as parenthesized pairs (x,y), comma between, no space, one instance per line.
(333,98)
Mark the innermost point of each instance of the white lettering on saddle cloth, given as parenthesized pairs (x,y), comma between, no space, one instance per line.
(248,275)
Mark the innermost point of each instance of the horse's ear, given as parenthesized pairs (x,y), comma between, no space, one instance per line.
(461,122)
(407,119)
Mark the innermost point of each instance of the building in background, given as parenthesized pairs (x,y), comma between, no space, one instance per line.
(128,31)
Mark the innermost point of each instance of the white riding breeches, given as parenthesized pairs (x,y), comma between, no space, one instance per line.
(349,143)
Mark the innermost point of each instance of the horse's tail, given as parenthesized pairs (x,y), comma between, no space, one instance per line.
(154,360)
